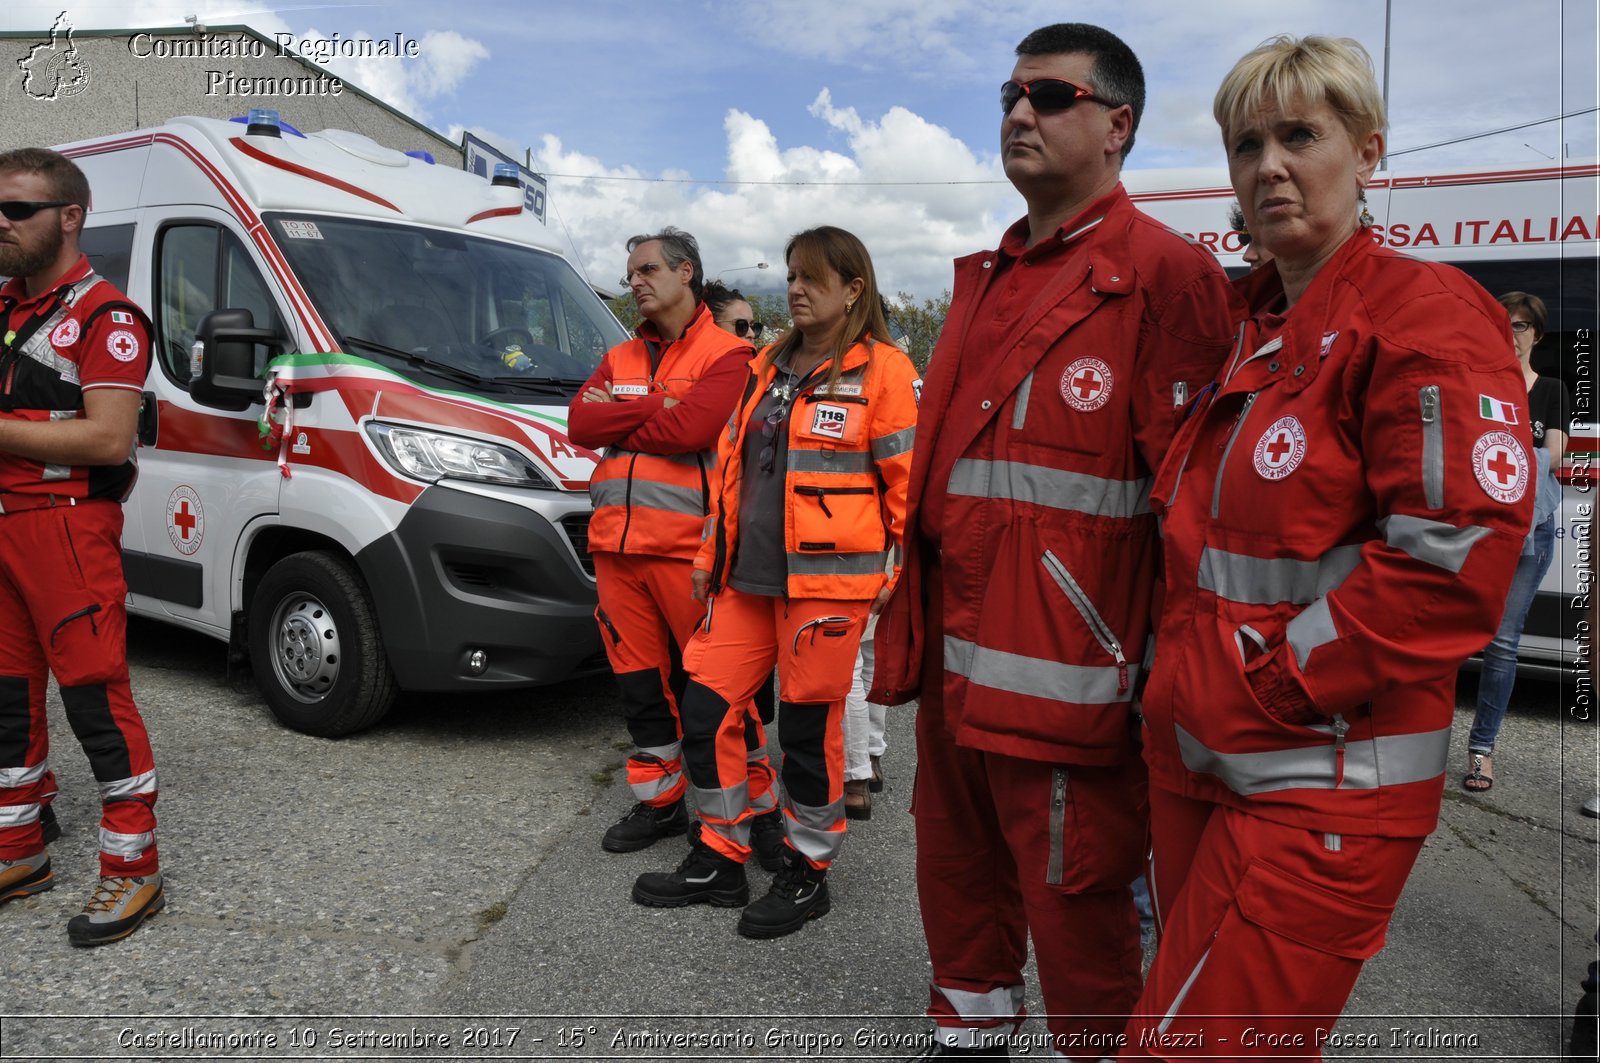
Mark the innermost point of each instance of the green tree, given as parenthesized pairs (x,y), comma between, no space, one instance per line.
(773,312)
(917,325)
(626,310)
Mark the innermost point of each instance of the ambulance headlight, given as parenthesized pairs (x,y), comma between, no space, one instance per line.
(435,456)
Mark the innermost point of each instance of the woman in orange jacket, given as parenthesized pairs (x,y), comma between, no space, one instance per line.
(812,495)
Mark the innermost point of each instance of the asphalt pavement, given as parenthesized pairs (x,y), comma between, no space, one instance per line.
(435,888)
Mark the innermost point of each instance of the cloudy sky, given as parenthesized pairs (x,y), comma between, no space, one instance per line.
(744,121)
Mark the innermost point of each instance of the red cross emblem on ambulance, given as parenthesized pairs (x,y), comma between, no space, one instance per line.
(1086,384)
(1501,466)
(1281,449)
(186,519)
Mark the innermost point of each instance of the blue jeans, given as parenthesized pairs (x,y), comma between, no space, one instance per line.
(1500,656)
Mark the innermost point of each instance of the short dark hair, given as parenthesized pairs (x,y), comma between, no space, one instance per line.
(67,182)
(1117,75)
(1531,305)
(677,247)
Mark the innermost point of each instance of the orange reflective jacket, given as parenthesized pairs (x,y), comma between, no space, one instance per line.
(849,456)
(657,503)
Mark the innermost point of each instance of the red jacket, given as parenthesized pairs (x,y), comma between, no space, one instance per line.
(1047,544)
(80,335)
(849,452)
(651,488)
(1342,518)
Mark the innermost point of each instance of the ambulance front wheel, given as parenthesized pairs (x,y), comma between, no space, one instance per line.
(315,646)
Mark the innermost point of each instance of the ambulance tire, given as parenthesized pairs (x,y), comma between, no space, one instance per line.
(315,647)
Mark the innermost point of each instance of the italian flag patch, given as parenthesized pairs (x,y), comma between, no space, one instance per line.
(1497,410)
(121,317)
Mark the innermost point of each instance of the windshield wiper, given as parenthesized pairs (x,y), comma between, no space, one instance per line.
(543,385)
(421,361)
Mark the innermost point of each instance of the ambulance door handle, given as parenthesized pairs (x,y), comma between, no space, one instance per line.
(147,419)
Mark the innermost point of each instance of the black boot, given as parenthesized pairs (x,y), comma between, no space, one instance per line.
(767,838)
(644,825)
(704,877)
(799,892)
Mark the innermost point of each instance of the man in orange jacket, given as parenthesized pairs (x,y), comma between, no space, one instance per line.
(656,405)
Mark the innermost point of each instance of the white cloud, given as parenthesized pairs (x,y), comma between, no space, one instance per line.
(874,188)
(444,59)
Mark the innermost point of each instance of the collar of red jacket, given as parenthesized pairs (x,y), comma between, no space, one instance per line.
(13,291)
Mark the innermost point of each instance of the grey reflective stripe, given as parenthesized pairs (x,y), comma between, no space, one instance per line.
(1035,484)
(38,346)
(895,443)
(1391,760)
(656,788)
(18,815)
(691,459)
(1311,629)
(1270,580)
(1019,414)
(1439,544)
(1032,676)
(126,789)
(1183,992)
(1432,447)
(1002,1003)
(810,833)
(649,494)
(766,802)
(723,804)
(10,778)
(840,461)
(125,846)
(868,563)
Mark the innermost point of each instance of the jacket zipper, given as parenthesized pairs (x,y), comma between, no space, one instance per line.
(821,494)
(1432,447)
(816,625)
(1341,727)
(616,637)
(1238,424)
(1058,827)
(1091,616)
(1020,414)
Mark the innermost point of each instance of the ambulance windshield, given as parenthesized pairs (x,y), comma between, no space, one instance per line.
(495,315)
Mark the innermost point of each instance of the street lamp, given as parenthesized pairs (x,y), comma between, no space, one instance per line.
(736,269)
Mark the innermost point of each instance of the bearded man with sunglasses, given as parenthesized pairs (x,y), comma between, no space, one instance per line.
(73,358)
(1063,369)
(655,407)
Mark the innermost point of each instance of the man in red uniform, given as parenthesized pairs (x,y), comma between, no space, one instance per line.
(655,406)
(1056,386)
(73,359)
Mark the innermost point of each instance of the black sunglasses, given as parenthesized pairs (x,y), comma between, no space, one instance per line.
(743,327)
(1047,95)
(769,432)
(22,210)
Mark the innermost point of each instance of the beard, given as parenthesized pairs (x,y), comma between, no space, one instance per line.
(24,261)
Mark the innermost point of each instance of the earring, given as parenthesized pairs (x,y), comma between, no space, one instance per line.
(849,307)
(1366,219)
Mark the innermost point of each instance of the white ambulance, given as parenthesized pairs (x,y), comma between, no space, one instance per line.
(354,465)
(1534,230)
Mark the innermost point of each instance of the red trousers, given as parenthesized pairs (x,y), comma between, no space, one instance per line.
(62,609)
(1008,848)
(1264,928)
(813,643)
(647,614)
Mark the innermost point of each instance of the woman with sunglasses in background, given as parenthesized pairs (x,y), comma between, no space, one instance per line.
(812,489)
(732,311)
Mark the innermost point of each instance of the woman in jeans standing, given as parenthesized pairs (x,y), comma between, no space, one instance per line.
(1548,415)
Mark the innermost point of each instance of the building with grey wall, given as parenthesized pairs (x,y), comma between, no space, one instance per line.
(59,85)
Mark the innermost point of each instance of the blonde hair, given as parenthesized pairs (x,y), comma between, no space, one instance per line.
(1303,71)
(816,252)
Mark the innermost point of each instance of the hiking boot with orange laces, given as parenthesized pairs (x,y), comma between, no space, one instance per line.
(26,876)
(115,910)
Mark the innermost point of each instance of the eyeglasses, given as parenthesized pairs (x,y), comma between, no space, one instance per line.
(1048,95)
(22,210)
(743,327)
(769,433)
(1521,326)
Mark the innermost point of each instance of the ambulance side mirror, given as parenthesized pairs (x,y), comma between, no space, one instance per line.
(222,363)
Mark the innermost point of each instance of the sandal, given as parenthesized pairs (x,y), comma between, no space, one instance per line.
(1476,782)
